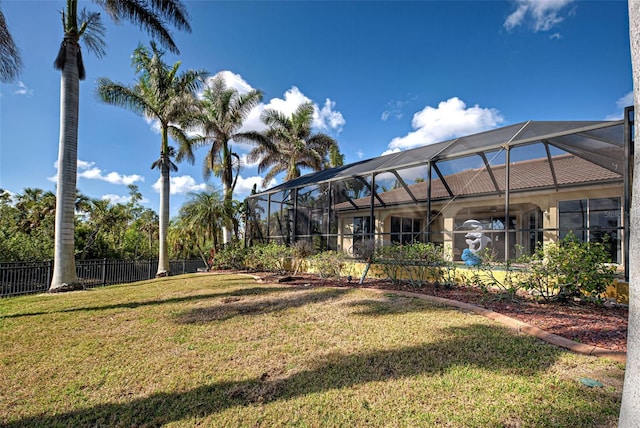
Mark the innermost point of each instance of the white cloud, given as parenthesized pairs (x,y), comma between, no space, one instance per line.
(234,81)
(360,154)
(245,185)
(625,101)
(327,118)
(541,15)
(89,171)
(394,109)
(450,119)
(245,163)
(120,199)
(116,199)
(555,36)
(390,151)
(23,90)
(181,185)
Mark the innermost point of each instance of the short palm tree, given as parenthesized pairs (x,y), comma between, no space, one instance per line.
(154,16)
(222,115)
(162,94)
(10,60)
(293,144)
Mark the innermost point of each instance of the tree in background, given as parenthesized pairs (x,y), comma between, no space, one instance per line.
(630,408)
(199,225)
(154,16)
(223,111)
(293,144)
(164,95)
(10,60)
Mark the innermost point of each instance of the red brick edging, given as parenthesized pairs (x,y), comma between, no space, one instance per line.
(519,326)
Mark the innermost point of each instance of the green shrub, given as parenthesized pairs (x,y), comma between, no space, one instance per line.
(418,262)
(328,263)
(485,275)
(272,257)
(390,261)
(569,268)
(232,256)
(301,250)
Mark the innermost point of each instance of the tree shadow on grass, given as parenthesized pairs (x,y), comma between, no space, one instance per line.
(393,304)
(253,291)
(476,345)
(236,306)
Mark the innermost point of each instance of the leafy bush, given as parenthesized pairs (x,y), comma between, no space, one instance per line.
(272,257)
(390,260)
(301,250)
(418,262)
(485,275)
(232,256)
(328,263)
(569,268)
(365,250)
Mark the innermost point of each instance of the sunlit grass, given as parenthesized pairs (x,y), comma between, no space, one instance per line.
(217,350)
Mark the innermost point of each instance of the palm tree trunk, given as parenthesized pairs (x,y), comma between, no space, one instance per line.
(163,254)
(64,264)
(227,190)
(629,410)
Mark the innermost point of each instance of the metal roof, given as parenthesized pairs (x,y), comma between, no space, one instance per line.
(600,142)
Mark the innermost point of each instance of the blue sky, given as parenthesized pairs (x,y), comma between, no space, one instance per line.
(384,76)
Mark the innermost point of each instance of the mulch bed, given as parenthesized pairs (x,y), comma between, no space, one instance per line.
(583,322)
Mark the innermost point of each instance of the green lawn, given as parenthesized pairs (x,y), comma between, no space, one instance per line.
(225,351)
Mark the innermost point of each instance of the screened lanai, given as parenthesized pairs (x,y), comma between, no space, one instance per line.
(519,185)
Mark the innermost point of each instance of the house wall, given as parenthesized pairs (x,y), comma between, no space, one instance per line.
(443,225)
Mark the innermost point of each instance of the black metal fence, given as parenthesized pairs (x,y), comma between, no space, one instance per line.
(18,278)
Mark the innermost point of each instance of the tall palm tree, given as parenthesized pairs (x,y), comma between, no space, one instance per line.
(154,16)
(162,94)
(223,113)
(629,409)
(294,145)
(10,60)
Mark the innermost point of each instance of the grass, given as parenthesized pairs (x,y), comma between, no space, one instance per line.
(223,350)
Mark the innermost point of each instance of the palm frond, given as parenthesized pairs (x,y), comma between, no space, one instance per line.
(151,19)
(10,59)
(92,32)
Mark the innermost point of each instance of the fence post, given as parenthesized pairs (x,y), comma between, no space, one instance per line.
(149,270)
(104,272)
(49,273)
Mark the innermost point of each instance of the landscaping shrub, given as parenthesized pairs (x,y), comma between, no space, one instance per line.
(328,263)
(232,256)
(418,263)
(493,275)
(390,261)
(272,257)
(569,268)
(301,250)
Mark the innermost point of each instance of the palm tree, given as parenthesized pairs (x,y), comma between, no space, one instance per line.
(629,409)
(154,16)
(203,212)
(223,113)
(162,94)
(10,60)
(294,146)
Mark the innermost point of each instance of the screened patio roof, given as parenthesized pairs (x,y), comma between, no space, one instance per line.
(600,142)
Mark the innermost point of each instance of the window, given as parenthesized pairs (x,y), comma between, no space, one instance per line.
(405,230)
(593,220)
(362,227)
